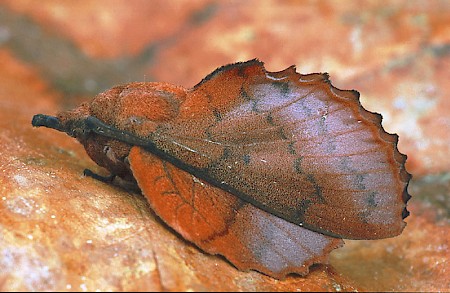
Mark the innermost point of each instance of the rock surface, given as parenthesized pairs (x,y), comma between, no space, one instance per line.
(60,230)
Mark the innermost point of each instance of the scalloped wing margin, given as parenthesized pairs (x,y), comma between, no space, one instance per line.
(295,146)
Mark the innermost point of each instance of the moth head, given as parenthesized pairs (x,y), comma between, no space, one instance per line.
(107,152)
(108,125)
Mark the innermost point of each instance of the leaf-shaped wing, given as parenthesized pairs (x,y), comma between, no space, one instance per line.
(221,223)
(294,146)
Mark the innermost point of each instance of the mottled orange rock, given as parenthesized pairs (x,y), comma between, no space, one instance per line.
(108,29)
(62,231)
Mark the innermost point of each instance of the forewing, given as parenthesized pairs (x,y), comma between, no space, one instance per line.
(221,223)
(294,146)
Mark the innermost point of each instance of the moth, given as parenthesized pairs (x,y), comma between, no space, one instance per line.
(269,169)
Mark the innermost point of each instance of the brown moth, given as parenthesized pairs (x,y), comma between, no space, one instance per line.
(269,169)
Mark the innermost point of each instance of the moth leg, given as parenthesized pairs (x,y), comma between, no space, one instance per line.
(105,179)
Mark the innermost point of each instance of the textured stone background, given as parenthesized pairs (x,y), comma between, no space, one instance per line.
(62,231)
